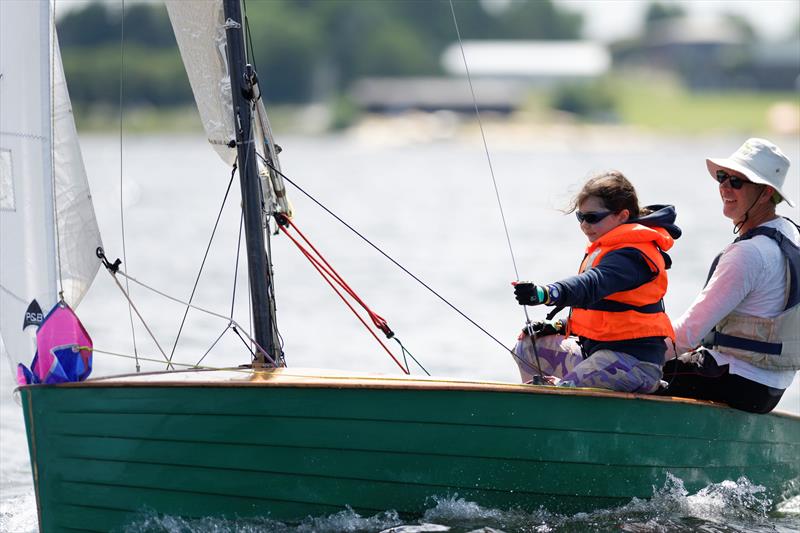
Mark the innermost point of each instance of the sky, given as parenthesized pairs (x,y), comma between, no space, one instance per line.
(614,19)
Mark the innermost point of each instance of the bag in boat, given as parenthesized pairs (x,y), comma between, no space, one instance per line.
(63,350)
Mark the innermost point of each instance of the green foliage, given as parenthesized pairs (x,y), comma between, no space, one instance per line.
(345,113)
(742,25)
(149,76)
(147,59)
(303,49)
(592,101)
(658,12)
(99,24)
(666,106)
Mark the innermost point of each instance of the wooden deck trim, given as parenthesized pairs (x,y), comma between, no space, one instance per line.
(315,378)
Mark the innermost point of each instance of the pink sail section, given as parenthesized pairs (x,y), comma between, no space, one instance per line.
(63,350)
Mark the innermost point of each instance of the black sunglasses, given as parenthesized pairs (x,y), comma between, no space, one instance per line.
(591,218)
(735,181)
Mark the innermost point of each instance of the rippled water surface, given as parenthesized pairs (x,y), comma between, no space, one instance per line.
(431,205)
(731,507)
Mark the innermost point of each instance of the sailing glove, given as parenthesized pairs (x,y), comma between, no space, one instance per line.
(527,293)
(543,328)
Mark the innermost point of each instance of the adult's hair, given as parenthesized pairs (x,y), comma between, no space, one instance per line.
(614,190)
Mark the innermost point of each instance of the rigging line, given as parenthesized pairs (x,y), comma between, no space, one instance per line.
(141,318)
(121,208)
(249,138)
(252,353)
(141,358)
(249,48)
(53,43)
(319,259)
(203,262)
(268,251)
(271,290)
(202,310)
(360,318)
(387,256)
(331,276)
(266,232)
(405,351)
(212,345)
(236,268)
(483,137)
(491,171)
(153,360)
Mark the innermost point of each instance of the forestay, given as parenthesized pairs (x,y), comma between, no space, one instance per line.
(48,230)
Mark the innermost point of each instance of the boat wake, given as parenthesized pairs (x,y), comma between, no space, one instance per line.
(729,507)
(18,513)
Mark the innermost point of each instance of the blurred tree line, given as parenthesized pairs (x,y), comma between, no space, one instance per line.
(303,49)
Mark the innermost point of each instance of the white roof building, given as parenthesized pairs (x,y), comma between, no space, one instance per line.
(531,60)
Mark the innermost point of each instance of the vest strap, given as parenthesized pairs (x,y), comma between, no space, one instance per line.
(715,338)
(619,307)
(790,252)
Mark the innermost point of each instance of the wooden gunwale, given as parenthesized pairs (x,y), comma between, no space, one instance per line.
(314,378)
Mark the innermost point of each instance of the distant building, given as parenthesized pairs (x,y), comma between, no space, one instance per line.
(712,53)
(538,62)
(702,51)
(396,95)
(502,72)
(775,66)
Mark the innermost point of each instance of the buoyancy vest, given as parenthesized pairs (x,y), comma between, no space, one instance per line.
(635,313)
(768,343)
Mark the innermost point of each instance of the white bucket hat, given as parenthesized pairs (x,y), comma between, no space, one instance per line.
(760,161)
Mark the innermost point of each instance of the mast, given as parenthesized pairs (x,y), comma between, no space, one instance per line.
(242,80)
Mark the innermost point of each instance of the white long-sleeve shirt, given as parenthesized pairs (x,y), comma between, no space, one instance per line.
(750,278)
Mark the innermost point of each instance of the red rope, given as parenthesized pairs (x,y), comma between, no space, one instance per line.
(330,275)
(378,320)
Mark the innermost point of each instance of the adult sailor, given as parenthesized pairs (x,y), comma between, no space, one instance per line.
(614,337)
(739,341)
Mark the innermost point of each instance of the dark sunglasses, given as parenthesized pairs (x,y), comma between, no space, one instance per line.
(591,218)
(735,181)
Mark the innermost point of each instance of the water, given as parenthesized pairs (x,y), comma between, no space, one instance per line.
(728,507)
(430,204)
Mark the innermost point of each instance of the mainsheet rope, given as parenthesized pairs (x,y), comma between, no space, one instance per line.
(528,324)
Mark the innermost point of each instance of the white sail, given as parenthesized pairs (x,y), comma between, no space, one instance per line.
(200,32)
(48,230)
(199,28)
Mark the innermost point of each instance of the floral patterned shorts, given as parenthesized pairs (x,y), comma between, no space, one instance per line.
(562,357)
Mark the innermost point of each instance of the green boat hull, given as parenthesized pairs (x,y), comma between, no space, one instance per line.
(103,452)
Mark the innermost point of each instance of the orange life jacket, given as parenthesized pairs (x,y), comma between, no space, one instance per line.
(631,314)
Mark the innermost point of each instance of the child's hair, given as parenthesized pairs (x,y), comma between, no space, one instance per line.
(614,190)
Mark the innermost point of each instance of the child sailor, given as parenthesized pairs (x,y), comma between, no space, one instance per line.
(615,335)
